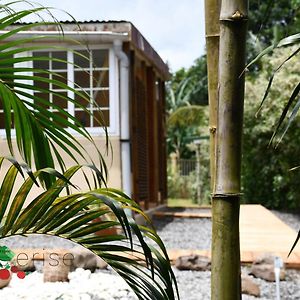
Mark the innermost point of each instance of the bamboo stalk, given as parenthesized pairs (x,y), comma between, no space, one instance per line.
(212,27)
(226,282)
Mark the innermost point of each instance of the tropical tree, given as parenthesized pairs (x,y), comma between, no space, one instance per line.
(41,137)
(186,101)
(292,105)
(264,16)
(278,187)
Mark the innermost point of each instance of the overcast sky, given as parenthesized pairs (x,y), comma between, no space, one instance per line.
(174,28)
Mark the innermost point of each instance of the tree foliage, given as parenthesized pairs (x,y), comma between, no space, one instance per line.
(266,176)
(264,16)
(186,100)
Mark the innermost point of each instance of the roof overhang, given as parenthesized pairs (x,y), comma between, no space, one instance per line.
(99,32)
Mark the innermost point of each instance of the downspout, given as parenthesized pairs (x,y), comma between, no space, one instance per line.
(124,118)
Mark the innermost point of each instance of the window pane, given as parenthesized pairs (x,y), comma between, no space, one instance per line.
(41,64)
(41,84)
(82,60)
(100,79)
(62,116)
(5,63)
(62,55)
(61,102)
(83,101)
(101,98)
(83,117)
(61,77)
(100,58)
(2,124)
(82,79)
(102,117)
(41,97)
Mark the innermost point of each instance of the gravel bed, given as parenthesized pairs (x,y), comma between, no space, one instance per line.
(83,285)
(37,241)
(184,233)
(293,220)
(106,285)
(185,210)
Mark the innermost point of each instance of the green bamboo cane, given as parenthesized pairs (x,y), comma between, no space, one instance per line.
(212,26)
(226,282)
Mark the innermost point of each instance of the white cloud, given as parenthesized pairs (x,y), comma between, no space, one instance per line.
(174,29)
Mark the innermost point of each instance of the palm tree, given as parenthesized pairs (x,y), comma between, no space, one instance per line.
(183,117)
(41,137)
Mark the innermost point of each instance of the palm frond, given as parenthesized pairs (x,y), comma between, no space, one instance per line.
(78,216)
(37,137)
(191,115)
(293,97)
(285,42)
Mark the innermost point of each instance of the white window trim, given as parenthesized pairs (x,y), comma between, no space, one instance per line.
(113,129)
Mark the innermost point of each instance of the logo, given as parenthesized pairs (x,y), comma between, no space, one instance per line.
(6,267)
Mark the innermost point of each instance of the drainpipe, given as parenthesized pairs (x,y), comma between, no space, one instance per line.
(124,116)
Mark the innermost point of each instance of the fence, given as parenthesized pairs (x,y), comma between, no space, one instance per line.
(186,180)
(186,166)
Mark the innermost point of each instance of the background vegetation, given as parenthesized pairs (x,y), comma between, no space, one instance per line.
(266,176)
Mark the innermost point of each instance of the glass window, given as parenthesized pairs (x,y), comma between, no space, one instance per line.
(94,79)
(90,75)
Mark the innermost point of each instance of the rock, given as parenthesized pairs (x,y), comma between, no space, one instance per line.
(26,266)
(249,287)
(193,262)
(87,260)
(56,267)
(263,267)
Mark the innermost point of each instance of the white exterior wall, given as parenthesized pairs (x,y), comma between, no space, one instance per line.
(114,165)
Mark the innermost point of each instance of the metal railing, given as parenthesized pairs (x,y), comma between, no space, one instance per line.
(186,166)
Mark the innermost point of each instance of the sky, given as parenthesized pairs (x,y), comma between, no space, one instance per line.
(175,29)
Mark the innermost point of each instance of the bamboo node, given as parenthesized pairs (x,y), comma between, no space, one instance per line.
(226,195)
(213,129)
(237,15)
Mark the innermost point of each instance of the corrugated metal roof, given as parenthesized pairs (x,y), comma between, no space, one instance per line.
(119,26)
(80,22)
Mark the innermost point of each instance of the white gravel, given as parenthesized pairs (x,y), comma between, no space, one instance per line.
(83,285)
(106,285)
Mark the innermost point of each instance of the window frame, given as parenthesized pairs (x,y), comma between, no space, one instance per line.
(113,128)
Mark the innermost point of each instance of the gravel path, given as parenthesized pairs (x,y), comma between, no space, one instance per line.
(184,233)
(106,285)
(293,220)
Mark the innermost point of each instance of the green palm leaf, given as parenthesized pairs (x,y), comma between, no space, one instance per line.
(191,115)
(41,138)
(36,137)
(146,269)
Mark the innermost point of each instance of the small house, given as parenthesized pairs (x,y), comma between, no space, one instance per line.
(130,92)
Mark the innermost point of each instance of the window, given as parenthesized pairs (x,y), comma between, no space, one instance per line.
(87,72)
(93,77)
(61,74)
(92,72)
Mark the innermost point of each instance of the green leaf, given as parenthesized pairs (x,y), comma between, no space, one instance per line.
(72,217)
(6,254)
